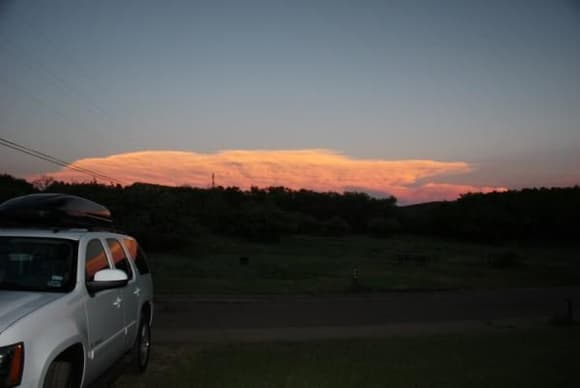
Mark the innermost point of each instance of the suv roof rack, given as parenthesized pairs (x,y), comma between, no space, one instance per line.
(55,211)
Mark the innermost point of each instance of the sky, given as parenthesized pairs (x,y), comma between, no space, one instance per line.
(423,100)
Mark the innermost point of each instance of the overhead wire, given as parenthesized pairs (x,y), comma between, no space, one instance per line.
(36,64)
(51,159)
(73,92)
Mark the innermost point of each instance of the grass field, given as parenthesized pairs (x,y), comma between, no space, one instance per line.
(319,265)
(533,358)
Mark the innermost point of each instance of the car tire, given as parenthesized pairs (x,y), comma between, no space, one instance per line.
(59,375)
(142,347)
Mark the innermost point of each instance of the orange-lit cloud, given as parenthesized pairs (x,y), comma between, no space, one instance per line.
(411,181)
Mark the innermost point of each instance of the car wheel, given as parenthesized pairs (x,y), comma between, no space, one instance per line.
(142,347)
(59,375)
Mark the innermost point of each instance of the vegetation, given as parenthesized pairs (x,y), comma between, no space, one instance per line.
(322,265)
(11,187)
(529,214)
(171,217)
(535,358)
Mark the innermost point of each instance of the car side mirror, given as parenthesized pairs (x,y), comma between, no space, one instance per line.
(106,279)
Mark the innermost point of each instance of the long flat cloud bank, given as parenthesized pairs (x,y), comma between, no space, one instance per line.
(411,181)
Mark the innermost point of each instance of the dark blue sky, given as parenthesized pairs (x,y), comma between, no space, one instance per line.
(495,84)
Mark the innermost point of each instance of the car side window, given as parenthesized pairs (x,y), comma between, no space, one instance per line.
(137,255)
(120,260)
(96,259)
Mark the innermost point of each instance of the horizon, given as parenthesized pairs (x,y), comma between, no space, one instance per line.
(42,182)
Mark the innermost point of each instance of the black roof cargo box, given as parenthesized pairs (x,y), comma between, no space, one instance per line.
(54,210)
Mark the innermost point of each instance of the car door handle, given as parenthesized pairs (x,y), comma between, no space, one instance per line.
(137,291)
(117,302)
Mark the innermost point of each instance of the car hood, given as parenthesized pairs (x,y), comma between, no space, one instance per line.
(16,304)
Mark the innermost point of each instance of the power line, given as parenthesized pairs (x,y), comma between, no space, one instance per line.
(59,162)
(51,159)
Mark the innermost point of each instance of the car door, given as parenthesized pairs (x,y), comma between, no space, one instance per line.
(104,314)
(130,293)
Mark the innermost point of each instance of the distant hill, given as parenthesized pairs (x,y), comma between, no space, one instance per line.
(527,214)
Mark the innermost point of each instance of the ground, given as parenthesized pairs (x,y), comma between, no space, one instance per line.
(541,357)
(421,312)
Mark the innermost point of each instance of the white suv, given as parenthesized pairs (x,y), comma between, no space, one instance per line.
(72,301)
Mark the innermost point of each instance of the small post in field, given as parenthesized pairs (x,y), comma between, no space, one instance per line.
(355,284)
(570,310)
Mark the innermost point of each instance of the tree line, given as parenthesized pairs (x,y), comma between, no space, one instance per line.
(170,217)
(536,214)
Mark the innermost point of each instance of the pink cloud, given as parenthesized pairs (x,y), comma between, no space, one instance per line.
(314,169)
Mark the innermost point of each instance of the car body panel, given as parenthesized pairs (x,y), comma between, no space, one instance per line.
(17,304)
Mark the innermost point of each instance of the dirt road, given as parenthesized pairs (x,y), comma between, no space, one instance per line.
(187,318)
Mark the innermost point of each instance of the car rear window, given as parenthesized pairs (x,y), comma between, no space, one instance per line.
(137,255)
(120,260)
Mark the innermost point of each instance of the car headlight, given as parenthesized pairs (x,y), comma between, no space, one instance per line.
(11,364)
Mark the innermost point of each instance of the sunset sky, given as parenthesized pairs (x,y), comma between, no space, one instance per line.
(422,100)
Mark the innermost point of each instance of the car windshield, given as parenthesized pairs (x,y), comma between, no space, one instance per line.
(37,264)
